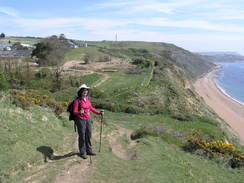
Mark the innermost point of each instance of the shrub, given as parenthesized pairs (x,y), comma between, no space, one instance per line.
(22,101)
(215,149)
(43,73)
(141,61)
(116,107)
(182,117)
(96,93)
(88,57)
(4,83)
(142,132)
(25,99)
(104,58)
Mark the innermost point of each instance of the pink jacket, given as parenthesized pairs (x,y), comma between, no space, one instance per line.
(87,106)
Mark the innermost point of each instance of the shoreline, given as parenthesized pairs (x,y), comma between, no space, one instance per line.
(225,93)
(225,106)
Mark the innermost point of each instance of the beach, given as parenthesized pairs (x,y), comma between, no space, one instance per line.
(231,111)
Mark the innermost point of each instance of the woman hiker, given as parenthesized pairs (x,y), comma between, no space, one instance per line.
(82,108)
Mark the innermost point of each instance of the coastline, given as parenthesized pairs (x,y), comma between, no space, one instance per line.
(225,93)
(228,108)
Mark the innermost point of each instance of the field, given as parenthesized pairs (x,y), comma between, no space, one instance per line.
(23,40)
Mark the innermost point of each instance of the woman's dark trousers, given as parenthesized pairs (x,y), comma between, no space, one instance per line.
(85,133)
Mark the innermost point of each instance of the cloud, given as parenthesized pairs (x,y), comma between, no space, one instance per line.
(111,26)
(85,23)
(226,14)
(138,6)
(8,11)
(75,27)
(190,23)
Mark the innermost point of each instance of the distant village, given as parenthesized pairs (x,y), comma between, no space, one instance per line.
(18,49)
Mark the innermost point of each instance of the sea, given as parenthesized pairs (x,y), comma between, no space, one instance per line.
(230,79)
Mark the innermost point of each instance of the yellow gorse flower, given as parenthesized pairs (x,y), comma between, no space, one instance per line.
(35,100)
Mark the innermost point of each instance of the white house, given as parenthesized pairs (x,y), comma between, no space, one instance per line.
(5,47)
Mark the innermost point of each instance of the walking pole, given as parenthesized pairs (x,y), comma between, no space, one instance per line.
(90,160)
(101,130)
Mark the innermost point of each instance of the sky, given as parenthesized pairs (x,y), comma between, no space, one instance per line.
(195,25)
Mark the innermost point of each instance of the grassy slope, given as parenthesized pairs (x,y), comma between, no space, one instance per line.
(26,134)
(78,53)
(121,80)
(160,162)
(190,62)
(159,159)
(22,133)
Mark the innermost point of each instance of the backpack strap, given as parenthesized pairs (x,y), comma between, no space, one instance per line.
(79,102)
(79,108)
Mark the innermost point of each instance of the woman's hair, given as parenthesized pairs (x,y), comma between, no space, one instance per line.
(79,93)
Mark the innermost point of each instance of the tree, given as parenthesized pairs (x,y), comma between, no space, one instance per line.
(57,79)
(2,35)
(50,51)
(88,57)
(62,37)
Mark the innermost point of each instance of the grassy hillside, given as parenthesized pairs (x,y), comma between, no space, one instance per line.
(192,63)
(151,110)
(24,135)
(157,158)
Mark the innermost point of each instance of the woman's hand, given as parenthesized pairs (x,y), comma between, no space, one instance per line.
(102,112)
(82,111)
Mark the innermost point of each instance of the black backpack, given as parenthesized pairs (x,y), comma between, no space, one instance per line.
(70,109)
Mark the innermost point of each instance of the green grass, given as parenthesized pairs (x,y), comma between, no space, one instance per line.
(22,133)
(148,77)
(91,79)
(159,153)
(157,161)
(135,121)
(130,44)
(120,81)
(78,53)
(24,40)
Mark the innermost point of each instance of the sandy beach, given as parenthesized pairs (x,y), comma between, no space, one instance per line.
(227,108)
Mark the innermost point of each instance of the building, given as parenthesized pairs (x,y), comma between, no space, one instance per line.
(5,47)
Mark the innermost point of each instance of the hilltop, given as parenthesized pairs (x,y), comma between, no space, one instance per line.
(221,56)
(151,110)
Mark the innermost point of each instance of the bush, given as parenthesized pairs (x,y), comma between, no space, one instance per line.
(182,117)
(104,58)
(141,62)
(4,83)
(21,101)
(25,99)
(215,149)
(88,58)
(159,131)
(43,73)
(143,132)
(96,93)
(139,52)
(116,107)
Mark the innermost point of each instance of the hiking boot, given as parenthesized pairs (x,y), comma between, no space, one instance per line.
(83,156)
(92,154)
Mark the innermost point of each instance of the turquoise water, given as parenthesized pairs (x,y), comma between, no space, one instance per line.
(231,79)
